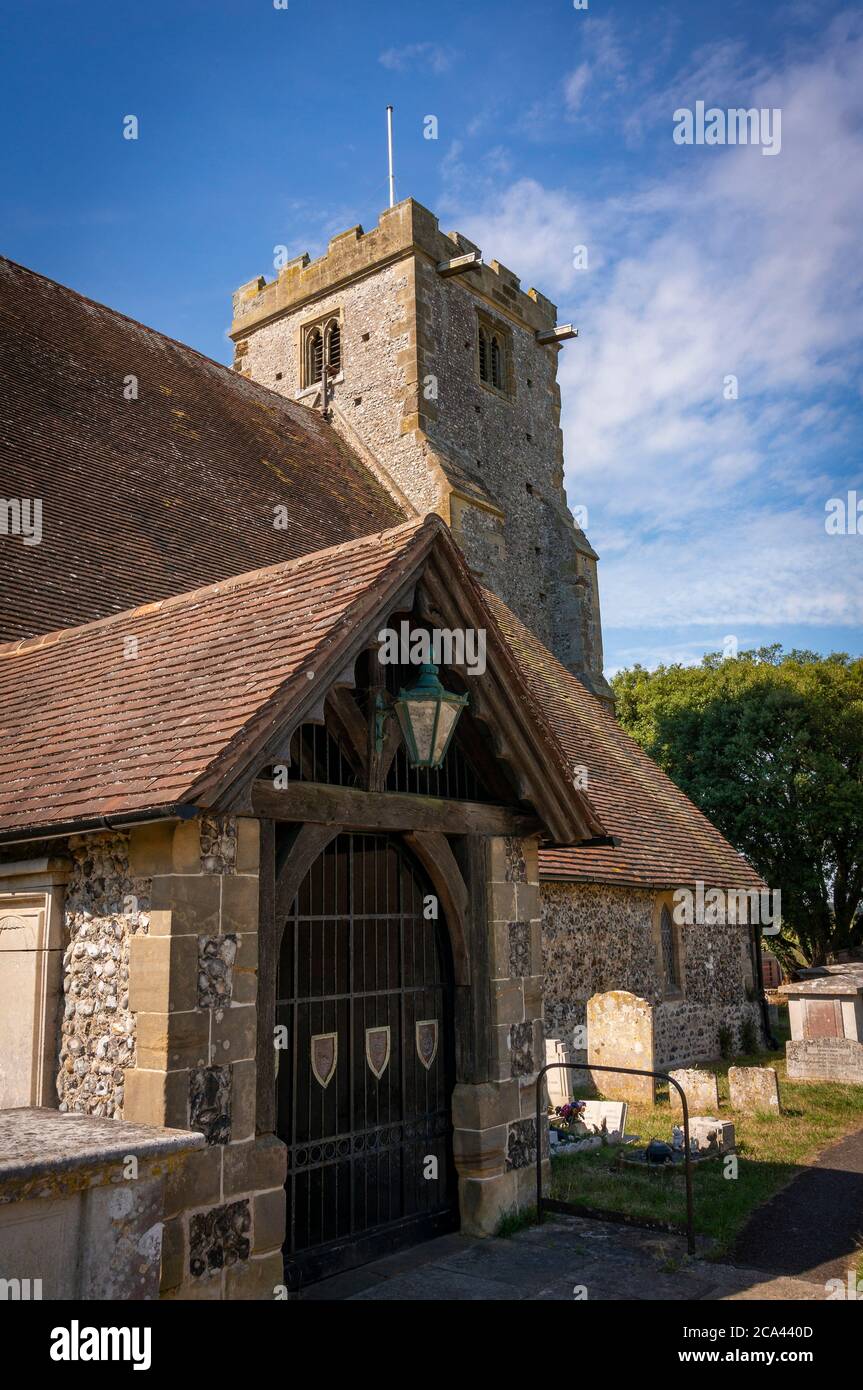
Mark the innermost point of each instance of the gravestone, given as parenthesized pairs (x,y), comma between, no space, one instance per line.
(620,1034)
(711,1134)
(559,1082)
(753,1089)
(701,1089)
(612,1111)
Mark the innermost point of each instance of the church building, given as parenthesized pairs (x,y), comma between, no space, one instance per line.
(317,829)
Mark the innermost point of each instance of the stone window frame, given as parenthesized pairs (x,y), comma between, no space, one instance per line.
(747,963)
(323,324)
(676,990)
(493,327)
(34,892)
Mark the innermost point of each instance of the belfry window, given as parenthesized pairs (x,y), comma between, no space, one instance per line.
(334,345)
(494,355)
(496,363)
(314,356)
(322,345)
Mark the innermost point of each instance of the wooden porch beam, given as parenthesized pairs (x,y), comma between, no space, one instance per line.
(434,852)
(298,857)
(349,722)
(387,811)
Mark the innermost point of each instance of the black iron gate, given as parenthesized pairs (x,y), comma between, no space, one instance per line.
(366,1077)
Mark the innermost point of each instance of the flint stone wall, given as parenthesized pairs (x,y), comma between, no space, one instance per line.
(597,938)
(105,907)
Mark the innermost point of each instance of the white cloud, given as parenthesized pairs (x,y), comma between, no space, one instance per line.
(706,510)
(576,85)
(418,55)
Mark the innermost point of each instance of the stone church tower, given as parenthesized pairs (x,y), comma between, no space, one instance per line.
(441,372)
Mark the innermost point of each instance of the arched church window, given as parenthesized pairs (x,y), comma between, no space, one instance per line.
(494,354)
(669,952)
(334,346)
(321,347)
(314,356)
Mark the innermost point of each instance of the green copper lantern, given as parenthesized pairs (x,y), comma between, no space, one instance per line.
(428,715)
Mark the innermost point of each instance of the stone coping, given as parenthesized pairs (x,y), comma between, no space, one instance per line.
(36,1141)
(831,979)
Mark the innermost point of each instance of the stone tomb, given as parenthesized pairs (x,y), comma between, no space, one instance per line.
(83,1201)
(825,1009)
(753,1089)
(701,1089)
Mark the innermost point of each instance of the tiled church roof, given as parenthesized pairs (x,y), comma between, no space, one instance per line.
(664,840)
(150,497)
(127,713)
(172,704)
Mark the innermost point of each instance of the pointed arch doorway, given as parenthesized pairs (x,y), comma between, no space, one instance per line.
(364,1085)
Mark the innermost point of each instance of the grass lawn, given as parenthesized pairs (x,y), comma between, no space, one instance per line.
(771,1151)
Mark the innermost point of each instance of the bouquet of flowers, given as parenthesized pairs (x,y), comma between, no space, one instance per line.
(569,1116)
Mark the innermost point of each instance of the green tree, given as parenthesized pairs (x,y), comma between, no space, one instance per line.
(770,746)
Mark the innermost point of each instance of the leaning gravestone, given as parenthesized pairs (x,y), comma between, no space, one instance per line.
(613,1112)
(753,1088)
(701,1090)
(620,1034)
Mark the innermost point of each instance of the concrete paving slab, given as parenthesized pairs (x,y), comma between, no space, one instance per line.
(545,1264)
(434,1285)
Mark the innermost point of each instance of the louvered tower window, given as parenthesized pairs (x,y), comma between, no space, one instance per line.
(322,344)
(483,355)
(496,363)
(314,356)
(494,355)
(334,346)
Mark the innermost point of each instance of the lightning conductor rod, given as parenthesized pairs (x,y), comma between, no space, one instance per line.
(390,151)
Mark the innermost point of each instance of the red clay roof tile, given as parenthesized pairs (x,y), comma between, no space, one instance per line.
(88,729)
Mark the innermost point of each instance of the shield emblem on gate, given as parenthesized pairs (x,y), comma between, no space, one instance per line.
(426,1033)
(324,1054)
(378,1050)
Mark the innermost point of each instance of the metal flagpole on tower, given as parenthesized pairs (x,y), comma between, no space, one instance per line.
(390,150)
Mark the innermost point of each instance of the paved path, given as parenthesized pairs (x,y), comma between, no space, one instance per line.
(610,1262)
(813,1228)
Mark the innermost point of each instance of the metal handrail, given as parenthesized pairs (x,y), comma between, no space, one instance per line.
(621,1071)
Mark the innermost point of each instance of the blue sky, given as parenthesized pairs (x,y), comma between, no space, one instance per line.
(262,126)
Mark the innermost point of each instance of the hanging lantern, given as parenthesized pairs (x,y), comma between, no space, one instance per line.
(428,715)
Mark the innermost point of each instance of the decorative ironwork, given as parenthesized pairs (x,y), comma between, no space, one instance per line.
(324,1053)
(544,1204)
(426,1036)
(359,960)
(378,1050)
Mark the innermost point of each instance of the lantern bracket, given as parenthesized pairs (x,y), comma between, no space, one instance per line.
(383,712)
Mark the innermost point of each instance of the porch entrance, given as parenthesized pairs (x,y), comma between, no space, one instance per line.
(364,1085)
